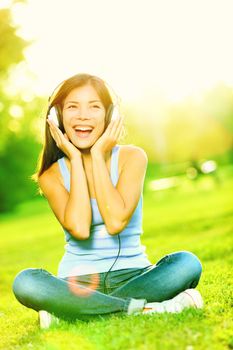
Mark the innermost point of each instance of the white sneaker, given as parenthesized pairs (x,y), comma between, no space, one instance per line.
(188,298)
(46,319)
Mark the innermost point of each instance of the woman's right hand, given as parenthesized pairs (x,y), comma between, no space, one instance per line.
(62,141)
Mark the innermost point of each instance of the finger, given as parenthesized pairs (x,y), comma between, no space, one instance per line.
(51,123)
(109,128)
(55,133)
(117,125)
(51,130)
(111,124)
(119,130)
(53,126)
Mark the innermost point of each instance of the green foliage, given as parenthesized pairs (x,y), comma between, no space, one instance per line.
(218,104)
(11,45)
(20,135)
(18,160)
(197,217)
(19,149)
(11,53)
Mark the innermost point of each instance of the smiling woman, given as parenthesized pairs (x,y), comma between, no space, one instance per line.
(94,186)
(78,103)
(81,100)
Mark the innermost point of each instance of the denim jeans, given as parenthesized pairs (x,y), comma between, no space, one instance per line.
(79,298)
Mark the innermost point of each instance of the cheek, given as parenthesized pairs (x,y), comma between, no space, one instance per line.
(66,121)
(101,126)
(103,120)
(65,125)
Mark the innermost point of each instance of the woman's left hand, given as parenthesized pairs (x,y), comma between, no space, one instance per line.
(109,138)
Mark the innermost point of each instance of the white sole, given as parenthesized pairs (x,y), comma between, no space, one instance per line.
(46,319)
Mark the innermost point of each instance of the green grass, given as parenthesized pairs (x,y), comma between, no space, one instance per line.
(197,216)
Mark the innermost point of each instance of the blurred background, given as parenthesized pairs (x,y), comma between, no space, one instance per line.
(170,63)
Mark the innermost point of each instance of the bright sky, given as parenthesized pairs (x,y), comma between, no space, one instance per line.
(140,47)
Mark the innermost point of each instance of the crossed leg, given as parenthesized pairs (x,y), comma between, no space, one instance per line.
(171,275)
(40,290)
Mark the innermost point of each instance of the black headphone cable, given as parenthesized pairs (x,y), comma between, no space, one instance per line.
(119,249)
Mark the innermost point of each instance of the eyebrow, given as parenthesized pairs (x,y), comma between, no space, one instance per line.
(76,102)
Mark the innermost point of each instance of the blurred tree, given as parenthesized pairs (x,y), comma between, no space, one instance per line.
(218,103)
(19,135)
(190,130)
(11,53)
(11,45)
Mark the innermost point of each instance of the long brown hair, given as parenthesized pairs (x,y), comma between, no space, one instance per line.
(50,152)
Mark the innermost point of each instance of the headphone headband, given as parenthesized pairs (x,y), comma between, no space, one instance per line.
(55,90)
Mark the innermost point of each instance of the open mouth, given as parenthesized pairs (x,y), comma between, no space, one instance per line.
(83,133)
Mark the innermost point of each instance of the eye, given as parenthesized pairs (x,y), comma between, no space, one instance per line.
(71,106)
(96,106)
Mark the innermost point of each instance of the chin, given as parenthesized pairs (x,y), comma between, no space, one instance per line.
(83,144)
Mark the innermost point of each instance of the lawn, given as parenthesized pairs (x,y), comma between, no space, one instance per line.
(195,216)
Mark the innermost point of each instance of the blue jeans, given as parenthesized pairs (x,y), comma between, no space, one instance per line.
(40,290)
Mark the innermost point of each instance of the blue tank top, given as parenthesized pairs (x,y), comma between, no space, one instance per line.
(97,253)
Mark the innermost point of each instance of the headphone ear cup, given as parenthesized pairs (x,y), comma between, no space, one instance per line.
(59,117)
(58,113)
(54,112)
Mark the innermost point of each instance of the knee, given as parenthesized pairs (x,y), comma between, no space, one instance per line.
(192,263)
(24,284)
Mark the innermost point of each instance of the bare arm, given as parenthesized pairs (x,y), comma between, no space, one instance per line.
(78,211)
(118,204)
(73,210)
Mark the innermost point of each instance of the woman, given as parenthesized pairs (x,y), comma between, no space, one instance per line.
(94,187)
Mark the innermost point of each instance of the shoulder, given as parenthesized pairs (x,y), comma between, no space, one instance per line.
(50,175)
(132,152)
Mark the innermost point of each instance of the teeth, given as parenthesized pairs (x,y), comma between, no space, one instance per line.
(84,129)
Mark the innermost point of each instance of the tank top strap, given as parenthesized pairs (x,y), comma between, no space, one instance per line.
(65,172)
(114,164)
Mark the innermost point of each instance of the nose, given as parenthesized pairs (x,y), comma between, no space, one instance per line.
(83,113)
